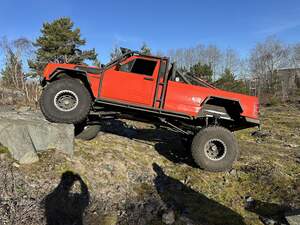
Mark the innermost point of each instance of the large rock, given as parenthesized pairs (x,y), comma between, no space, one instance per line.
(25,134)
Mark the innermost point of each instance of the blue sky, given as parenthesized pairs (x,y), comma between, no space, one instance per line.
(163,24)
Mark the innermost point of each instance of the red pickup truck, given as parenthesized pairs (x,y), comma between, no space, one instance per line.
(150,88)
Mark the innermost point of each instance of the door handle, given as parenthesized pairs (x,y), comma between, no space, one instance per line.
(148,78)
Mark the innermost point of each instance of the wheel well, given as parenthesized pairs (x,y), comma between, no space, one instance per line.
(226,109)
(71,74)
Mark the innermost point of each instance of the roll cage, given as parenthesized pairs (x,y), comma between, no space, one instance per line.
(172,73)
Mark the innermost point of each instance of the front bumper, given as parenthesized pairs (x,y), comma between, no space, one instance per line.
(256,122)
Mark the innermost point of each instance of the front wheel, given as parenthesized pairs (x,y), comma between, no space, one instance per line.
(215,149)
(65,101)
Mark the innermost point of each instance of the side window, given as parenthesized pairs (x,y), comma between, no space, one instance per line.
(143,66)
(127,66)
(140,66)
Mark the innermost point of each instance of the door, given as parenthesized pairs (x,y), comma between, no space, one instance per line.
(133,82)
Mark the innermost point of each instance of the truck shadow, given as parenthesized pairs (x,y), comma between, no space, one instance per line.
(191,204)
(62,206)
(269,211)
(168,143)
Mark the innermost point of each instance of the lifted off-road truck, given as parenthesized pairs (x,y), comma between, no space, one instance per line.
(150,88)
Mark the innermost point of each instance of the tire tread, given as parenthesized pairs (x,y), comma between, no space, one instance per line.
(199,138)
(50,116)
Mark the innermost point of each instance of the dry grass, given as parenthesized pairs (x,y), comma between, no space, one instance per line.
(118,170)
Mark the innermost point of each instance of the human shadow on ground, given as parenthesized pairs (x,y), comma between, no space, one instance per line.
(62,206)
(168,143)
(192,204)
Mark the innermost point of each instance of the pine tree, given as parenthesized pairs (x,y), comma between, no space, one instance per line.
(228,82)
(145,49)
(60,43)
(227,76)
(202,71)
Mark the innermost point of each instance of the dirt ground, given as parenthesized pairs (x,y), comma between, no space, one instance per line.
(134,173)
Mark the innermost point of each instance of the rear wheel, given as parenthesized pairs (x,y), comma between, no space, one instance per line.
(87,132)
(65,101)
(215,149)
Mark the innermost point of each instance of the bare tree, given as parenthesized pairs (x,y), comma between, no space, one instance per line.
(297,53)
(15,53)
(115,53)
(187,57)
(265,59)
(231,60)
(213,56)
(294,53)
(244,71)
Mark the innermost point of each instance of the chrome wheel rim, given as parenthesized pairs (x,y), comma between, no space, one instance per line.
(66,100)
(215,149)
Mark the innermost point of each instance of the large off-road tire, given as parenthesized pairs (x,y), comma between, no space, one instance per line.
(65,101)
(215,149)
(87,132)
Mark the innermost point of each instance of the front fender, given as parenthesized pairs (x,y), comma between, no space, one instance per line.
(63,73)
(220,107)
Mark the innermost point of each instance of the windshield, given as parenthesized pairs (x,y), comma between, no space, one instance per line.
(120,58)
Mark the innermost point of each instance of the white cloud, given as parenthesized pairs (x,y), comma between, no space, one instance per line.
(280,27)
(125,39)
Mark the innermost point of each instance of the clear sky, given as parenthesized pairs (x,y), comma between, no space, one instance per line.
(163,24)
